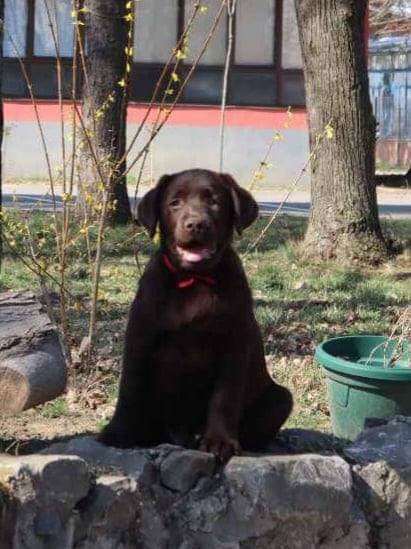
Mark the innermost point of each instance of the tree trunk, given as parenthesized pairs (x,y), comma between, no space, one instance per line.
(105,109)
(344,221)
(32,365)
(1,129)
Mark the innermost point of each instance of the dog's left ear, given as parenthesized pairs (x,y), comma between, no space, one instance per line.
(148,210)
(245,207)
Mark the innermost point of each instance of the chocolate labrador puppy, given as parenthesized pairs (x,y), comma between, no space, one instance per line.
(194,372)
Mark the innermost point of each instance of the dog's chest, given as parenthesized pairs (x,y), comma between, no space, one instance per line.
(197,307)
(185,354)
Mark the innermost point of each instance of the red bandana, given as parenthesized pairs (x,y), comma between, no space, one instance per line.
(190,279)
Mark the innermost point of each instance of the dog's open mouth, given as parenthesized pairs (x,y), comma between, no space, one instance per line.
(195,253)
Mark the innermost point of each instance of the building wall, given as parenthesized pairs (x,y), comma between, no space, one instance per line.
(189,139)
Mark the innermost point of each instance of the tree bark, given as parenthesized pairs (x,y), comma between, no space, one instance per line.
(105,109)
(32,365)
(343,221)
(1,129)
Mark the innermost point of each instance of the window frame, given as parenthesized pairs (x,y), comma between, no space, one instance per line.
(151,70)
(35,63)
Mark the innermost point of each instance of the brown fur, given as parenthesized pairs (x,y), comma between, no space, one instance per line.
(194,371)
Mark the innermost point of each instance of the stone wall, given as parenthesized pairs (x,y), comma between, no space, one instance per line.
(84,495)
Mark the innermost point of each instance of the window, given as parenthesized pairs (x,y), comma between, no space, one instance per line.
(58,14)
(216,49)
(266,61)
(15,23)
(155,19)
(259,25)
(291,51)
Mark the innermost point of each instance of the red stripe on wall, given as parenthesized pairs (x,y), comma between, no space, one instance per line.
(183,115)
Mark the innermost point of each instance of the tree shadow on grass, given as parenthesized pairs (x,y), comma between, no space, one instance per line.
(288,441)
(284,229)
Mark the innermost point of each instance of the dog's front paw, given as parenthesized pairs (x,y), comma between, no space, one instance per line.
(222,446)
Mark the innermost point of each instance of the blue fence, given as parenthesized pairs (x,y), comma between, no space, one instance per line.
(390,92)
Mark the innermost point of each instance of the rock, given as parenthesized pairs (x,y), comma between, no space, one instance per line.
(385,493)
(276,501)
(32,365)
(307,441)
(41,493)
(110,516)
(181,470)
(383,481)
(136,463)
(389,442)
(90,495)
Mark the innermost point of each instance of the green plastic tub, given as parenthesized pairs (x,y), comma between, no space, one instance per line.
(368,380)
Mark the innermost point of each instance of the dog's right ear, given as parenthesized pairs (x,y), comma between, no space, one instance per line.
(148,210)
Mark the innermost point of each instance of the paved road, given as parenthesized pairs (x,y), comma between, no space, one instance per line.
(300,208)
(398,211)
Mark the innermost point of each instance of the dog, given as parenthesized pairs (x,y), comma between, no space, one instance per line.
(194,371)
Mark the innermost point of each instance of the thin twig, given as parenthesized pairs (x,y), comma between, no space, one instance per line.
(161,78)
(292,187)
(231,7)
(169,110)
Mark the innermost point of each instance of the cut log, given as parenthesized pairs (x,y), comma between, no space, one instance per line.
(32,364)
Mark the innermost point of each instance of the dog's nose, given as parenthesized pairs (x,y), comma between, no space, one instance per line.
(195,225)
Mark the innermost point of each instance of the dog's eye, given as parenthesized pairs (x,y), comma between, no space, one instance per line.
(212,201)
(175,203)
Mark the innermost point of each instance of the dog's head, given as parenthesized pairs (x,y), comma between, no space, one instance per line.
(197,211)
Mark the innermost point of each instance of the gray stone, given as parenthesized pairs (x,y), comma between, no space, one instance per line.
(181,470)
(383,481)
(390,442)
(110,516)
(170,498)
(279,501)
(47,523)
(385,494)
(42,492)
(307,441)
(136,463)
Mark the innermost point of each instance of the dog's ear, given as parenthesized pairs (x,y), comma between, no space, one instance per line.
(245,207)
(148,210)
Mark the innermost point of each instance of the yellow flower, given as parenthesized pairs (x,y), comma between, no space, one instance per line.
(329,131)
(180,54)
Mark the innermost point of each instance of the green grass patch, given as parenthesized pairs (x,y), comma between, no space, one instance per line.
(297,303)
(54,409)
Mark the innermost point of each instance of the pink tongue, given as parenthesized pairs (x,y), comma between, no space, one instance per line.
(194,255)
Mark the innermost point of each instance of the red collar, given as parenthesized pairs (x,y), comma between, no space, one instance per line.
(190,279)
